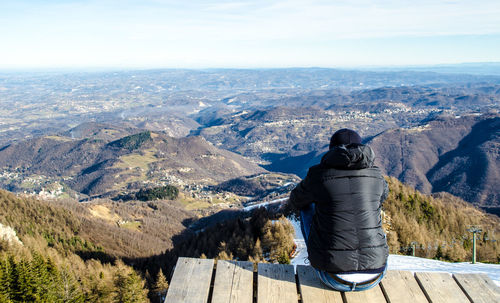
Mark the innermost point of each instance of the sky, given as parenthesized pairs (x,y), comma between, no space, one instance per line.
(246,34)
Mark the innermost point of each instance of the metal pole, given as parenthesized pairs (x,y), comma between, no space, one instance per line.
(474,230)
(413,248)
(474,247)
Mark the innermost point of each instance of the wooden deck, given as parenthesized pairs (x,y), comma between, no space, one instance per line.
(207,281)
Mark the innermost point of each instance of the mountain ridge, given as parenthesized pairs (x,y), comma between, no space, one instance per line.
(90,166)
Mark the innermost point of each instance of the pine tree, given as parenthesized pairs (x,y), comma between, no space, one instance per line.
(70,289)
(257,253)
(223,255)
(161,285)
(25,285)
(5,280)
(439,253)
(283,258)
(129,286)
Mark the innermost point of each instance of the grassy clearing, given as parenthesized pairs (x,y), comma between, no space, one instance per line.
(132,225)
(197,205)
(126,179)
(192,203)
(137,160)
(110,132)
(28,184)
(101,211)
(139,163)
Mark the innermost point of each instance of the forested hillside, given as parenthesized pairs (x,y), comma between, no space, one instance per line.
(47,265)
(108,251)
(438,224)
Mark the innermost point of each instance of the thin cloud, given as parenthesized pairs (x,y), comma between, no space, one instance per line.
(236,33)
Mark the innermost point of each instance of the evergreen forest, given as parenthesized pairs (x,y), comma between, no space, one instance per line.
(106,251)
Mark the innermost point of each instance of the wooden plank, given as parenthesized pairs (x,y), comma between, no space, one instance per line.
(374,295)
(440,287)
(233,282)
(401,286)
(191,281)
(312,289)
(242,283)
(276,283)
(478,287)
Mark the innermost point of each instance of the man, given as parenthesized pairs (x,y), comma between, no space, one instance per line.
(340,201)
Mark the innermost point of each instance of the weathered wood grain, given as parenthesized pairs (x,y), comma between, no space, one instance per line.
(440,287)
(374,295)
(233,282)
(401,286)
(312,289)
(478,287)
(191,281)
(276,283)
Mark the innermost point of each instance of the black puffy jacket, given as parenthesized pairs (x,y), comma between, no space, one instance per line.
(346,234)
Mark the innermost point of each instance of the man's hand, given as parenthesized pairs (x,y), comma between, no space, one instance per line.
(287,209)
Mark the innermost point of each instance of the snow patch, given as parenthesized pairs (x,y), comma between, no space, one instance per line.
(8,234)
(416,264)
(253,206)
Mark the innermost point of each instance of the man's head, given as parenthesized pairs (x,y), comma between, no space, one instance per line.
(344,136)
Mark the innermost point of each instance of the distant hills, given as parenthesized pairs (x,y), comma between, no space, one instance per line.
(225,138)
(110,160)
(459,155)
(278,126)
(66,131)
(477,68)
(165,99)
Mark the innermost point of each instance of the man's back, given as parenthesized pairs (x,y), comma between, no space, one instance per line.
(346,233)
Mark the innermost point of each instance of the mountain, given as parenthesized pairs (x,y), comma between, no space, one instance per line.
(438,223)
(101,131)
(458,155)
(104,165)
(272,126)
(275,133)
(472,68)
(38,103)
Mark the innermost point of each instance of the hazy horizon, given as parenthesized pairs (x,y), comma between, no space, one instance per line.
(148,34)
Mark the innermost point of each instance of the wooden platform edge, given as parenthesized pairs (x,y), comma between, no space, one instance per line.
(194,280)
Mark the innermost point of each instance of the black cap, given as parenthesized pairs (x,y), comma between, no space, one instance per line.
(344,136)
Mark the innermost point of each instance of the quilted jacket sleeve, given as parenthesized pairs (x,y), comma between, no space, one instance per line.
(302,195)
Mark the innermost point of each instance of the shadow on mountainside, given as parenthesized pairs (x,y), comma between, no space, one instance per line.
(298,165)
(468,169)
(207,235)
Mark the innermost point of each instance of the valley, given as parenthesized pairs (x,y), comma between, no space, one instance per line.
(117,174)
(62,134)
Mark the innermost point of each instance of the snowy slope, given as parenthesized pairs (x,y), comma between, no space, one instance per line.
(413,264)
